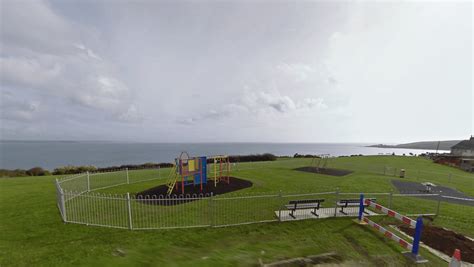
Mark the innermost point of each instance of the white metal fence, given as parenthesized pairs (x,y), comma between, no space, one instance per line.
(78,203)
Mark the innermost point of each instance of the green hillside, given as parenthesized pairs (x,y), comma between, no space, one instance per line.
(33,233)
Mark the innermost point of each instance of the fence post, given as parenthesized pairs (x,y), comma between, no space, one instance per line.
(159,170)
(361,207)
(128,179)
(279,197)
(417,237)
(129,208)
(337,199)
(390,199)
(63,204)
(384,170)
(210,207)
(439,204)
(88,182)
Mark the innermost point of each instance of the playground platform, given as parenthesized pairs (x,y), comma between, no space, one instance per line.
(305,214)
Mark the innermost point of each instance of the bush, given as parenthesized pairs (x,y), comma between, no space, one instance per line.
(250,158)
(73,169)
(65,170)
(305,156)
(37,171)
(12,173)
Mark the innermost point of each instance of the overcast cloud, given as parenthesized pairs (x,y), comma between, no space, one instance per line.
(236,71)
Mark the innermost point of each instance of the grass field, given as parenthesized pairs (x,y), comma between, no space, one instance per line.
(33,233)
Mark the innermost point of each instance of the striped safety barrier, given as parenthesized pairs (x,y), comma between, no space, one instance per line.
(388,234)
(390,212)
(418,225)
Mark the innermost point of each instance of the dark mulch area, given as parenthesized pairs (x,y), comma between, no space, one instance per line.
(405,187)
(158,195)
(445,241)
(325,171)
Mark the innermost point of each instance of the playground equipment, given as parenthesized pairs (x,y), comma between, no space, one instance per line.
(193,171)
(221,169)
(187,171)
(320,161)
(418,225)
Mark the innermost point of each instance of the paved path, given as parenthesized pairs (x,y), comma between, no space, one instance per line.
(323,213)
(406,187)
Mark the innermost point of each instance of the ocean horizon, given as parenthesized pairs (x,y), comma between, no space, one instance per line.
(25,154)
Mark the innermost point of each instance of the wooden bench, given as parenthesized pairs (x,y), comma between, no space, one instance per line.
(354,202)
(314,204)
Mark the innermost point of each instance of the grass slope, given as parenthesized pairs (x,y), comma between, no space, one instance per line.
(33,233)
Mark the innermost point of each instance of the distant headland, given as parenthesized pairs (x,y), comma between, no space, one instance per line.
(432,145)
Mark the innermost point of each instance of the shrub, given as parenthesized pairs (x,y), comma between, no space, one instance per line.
(12,173)
(250,158)
(305,156)
(36,171)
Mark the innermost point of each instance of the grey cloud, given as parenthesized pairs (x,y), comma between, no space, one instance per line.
(46,52)
(84,69)
(15,109)
(281,103)
(27,71)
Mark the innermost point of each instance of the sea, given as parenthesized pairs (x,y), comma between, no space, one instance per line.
(53,154)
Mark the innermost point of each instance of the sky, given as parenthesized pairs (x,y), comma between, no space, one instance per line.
(243,71)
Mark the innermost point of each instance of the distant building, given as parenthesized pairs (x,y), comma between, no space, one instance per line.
(464,148)
(467,164)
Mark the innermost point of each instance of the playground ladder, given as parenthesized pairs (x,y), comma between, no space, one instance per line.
(172,179)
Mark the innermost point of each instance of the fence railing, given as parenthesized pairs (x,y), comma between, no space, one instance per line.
(78,202)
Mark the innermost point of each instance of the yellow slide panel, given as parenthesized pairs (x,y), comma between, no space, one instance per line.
(191,167)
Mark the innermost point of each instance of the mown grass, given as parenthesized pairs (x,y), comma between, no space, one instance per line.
(33,233)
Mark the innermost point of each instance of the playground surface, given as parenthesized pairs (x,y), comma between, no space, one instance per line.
(234,184)
(445,241)
(325,171)
(406,187)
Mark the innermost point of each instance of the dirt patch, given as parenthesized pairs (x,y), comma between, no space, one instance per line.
(158,195)
(445,241)
(325,171)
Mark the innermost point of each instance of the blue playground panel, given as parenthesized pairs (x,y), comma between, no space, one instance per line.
(195,178)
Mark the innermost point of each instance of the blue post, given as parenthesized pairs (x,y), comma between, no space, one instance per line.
(417,237)
(361,206)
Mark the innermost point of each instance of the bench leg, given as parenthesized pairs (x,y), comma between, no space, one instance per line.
(314,213)
(342,211)
(291,214)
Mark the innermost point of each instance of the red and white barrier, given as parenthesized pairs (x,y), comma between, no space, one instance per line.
(418,224)
(390,213)
(388,234)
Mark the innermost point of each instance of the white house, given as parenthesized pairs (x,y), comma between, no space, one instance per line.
(464,148)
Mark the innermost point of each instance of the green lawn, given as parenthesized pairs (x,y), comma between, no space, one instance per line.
(33,233)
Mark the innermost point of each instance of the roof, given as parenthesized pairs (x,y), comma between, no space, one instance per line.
(466,144)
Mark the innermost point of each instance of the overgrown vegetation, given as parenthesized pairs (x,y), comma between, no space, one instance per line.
(36,171)
(70,169)
(253,158)
(296,155)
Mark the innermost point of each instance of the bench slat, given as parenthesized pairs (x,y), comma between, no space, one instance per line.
(352,202)
(302,206)
(305,201)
